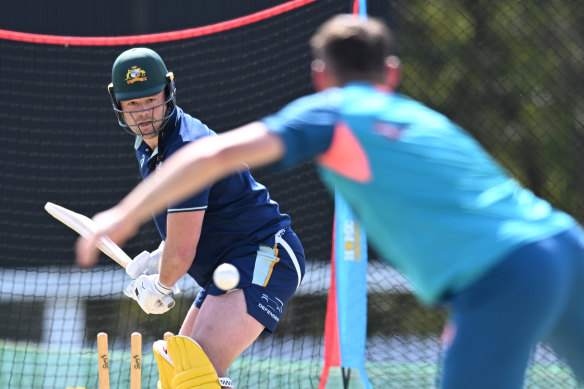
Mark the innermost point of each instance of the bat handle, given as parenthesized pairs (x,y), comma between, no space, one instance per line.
(168,301)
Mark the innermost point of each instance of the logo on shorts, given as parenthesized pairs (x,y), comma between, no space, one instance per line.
(269,306)
(135,74)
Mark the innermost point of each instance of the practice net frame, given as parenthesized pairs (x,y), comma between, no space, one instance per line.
(62,144)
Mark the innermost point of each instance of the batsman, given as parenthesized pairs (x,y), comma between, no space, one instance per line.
(234,221)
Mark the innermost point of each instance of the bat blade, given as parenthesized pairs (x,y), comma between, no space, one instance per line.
(85,227)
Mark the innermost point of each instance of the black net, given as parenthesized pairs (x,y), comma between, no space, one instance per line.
(507,71)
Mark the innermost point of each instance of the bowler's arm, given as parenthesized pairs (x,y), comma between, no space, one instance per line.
(199,164)
(188,171)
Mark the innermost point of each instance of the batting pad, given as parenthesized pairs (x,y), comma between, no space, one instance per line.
(192,367)
(165,366)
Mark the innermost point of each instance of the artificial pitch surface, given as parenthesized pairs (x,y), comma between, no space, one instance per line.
(28,366)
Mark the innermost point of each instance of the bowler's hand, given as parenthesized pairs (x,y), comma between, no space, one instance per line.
(112,223)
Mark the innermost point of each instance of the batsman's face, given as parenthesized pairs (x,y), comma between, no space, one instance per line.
(144,116)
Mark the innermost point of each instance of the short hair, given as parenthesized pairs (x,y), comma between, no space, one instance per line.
(354,48)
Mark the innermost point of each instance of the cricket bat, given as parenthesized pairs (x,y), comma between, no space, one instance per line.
(84,226)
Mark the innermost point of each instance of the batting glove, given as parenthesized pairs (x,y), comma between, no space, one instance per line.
(145,263)
(151,295)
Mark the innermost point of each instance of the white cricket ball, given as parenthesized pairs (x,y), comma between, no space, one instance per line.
(226,276)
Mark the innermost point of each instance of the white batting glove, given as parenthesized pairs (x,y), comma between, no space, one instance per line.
(145,263)
(151,295)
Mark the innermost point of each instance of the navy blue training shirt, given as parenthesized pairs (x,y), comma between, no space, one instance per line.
(238,210)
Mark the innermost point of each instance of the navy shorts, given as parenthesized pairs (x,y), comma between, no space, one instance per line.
(270,273)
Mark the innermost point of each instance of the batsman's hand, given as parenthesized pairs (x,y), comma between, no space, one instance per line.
(151,295)
(145,263)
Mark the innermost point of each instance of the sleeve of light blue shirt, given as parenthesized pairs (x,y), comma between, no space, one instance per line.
(306,126)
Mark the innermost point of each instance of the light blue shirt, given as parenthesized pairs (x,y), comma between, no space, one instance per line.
(434,204)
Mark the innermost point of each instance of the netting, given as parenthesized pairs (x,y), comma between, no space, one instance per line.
(507,71)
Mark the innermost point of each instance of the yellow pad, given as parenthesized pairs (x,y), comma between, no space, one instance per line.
(165,366)
(192,367)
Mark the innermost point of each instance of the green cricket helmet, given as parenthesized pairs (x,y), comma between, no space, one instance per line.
(138,73)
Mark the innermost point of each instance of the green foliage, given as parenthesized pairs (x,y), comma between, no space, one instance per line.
(510,73)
